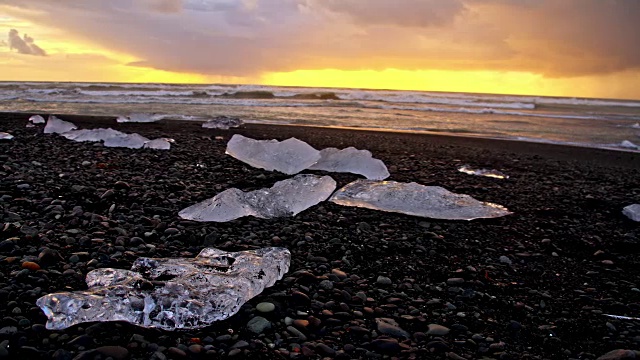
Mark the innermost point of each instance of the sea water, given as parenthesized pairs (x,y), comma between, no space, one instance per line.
(585,122)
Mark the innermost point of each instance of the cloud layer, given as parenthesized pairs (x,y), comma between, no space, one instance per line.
(556,38)
(25,45)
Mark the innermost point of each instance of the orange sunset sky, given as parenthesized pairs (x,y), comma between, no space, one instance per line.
(582,48)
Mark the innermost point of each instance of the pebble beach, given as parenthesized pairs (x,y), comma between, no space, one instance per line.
(557,279)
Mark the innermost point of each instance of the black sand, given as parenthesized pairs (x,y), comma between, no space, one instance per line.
(574,256)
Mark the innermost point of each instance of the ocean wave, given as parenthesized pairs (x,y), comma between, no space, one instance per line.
(425,98)
(487,111)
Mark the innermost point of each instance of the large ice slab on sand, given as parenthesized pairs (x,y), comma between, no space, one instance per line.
(36,119)
(58,126)
(286,198)
(415,199)
(91,134)
(170,294)
(222,122)
(351,160)
(632,212)
(483,172)
(289,156)
(140,118)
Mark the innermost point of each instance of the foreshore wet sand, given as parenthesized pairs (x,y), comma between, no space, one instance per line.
(533,285)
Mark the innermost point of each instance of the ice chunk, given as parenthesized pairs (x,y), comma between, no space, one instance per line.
(482,172)
(140,118)
(170,294)
(632,212)
(58,126)
(159,144)
(289,156)
(286,198)
(222,122)
(92,134)
(36,119)
(5,136)
(131,141)
(415,199)
(353,161)
(629,145)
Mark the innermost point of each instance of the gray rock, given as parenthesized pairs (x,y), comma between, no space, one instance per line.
(258,324)
(390,327)
(437,330)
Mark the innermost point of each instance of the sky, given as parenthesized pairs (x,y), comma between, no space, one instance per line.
(578,48)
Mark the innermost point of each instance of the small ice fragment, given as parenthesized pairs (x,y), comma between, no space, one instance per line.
(5,136)
(222,122)
(170,294)
(131,141)
(58,126)
(632,212)
(36,119)
(353,161)
(159,144)
(140,118)
(621,317)
(286,198)
(482,172)
(629,145)
(289,156)
(636,126)
(415,199)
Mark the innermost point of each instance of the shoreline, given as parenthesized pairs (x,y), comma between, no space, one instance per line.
(601,156)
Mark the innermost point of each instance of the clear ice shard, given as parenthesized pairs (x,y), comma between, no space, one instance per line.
(632,212)
(36,119)
(91,134)
(288,156)
(170,294)
(140,118)
(5,136)
(353,161)
(286,198)
(159,144)
(483,172)
(222,122)
(629,145)
(57,126)
(415,199)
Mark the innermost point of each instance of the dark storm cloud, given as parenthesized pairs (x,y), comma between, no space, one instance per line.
(248,37)
(25,45)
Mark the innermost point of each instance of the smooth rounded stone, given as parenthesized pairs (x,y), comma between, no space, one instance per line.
(175,352)
(265,307)
(258,325)
(234,352)
(300,298)
(505,260)
(339,273)
(240,345)
(455,281)
(297,333)
(195,348)
(386,345)
(326,285)
(383,280)
(437,330)
(390,327)
(620,354)
(325,350)
(115,352)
